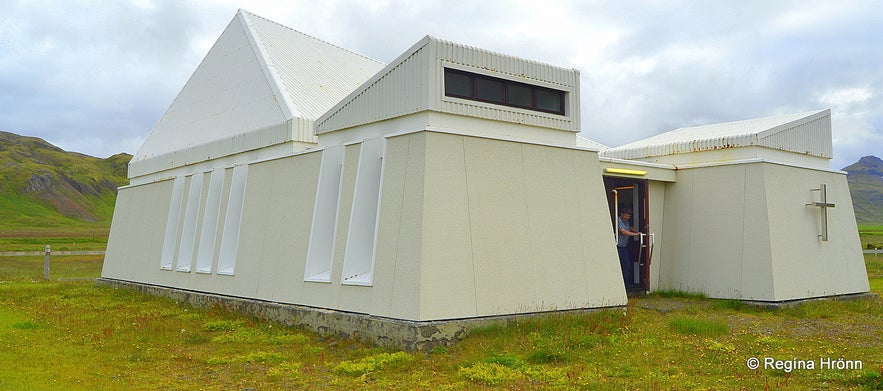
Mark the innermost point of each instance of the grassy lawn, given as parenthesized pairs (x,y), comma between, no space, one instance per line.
(64,335)
(30,268)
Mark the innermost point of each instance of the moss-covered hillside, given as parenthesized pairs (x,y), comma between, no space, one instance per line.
(42,185)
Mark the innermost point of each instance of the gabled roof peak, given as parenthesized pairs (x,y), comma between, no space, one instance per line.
(260,81)
(252,15)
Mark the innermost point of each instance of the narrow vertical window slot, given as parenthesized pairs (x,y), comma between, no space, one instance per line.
(324,225)
(358,262)
(209,233)
(187,248)
(171,237)
(230,236)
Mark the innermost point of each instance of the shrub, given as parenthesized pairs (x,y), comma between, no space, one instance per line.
(492,330)
(27,326)
(373,363)
(506,360)
(218,360)
(261,357)
(871,380)
(439,350)
(547,356)
(735,305)
(680,294)
(285,370)
(222,325)
(196,339)
(490,374)
(256,336)
(690,326)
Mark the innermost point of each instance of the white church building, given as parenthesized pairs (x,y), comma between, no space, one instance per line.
(451,184)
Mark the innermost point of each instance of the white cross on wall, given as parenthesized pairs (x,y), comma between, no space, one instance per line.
(823,204)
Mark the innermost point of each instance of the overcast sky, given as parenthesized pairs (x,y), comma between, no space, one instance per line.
(95,77)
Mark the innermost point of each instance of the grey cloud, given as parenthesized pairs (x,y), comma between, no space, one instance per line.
(746,63)
(98,76)
(91,71)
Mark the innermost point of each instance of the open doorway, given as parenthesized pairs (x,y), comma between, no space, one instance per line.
(631,194)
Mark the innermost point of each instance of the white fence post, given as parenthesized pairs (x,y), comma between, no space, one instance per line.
(46,263)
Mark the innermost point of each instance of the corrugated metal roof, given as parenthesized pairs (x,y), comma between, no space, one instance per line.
(315,74)
(805,133)
(587,143)
(227,94)
(258,75)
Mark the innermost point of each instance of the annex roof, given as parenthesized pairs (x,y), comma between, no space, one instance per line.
(261,84)
(591,144)
(807,133)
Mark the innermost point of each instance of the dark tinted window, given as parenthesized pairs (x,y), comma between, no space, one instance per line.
(520,95)
(483,88)
(489,89)
(458,84)
(549,100)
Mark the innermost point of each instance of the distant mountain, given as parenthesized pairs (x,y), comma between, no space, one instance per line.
(866,185)
(43,185)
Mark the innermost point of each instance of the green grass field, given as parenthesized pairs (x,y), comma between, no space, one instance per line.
(72,335)
(871,236)
(85,242)
(85,237)
(30,268)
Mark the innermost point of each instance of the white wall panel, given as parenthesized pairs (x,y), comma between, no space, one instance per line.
(187,248)
(358,262)
(209,232)
(321,245)
(170,242)
(230,237)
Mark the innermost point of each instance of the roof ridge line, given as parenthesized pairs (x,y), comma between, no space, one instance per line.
(268,68)
(310,36)
(804,118)
(801,115)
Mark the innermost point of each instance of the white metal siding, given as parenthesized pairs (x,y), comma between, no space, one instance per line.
(314,74)
(810,138)
(398,91)
(226,95)
(261,84)
(415,82)
(296,129)
(504,64)
(512,68)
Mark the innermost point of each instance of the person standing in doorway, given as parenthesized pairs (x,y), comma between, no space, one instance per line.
(624,227)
